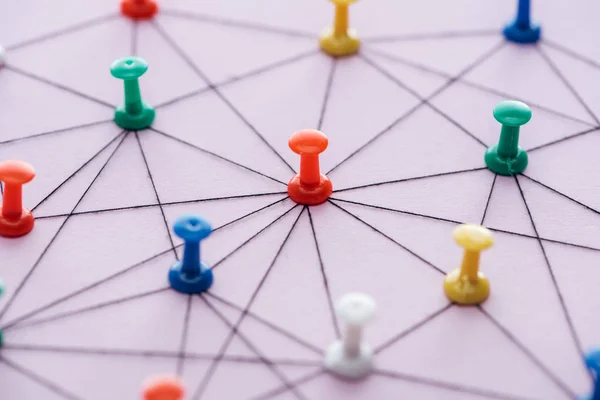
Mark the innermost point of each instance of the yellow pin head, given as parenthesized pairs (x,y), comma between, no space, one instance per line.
(473,237)
(343,2)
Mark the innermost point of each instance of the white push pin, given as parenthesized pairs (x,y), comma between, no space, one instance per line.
(351,358)
(2,56)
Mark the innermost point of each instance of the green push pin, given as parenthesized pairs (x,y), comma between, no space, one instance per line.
(507,158)
(134,114)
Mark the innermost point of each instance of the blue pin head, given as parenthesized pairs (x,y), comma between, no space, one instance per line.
(192,228)
(592,360)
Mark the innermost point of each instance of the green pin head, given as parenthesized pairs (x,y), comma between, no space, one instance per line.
(128,68)
(512,113)
(1,288)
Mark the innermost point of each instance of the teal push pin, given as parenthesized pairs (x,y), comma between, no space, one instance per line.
(507,158)
(134,114)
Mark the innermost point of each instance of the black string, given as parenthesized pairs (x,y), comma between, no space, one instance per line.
(119,273)
(214,365)
(334,321)
(528,353)
(237,24)
(184,337)
(566,82)
(487,204)
(266,361)
(561,299)
(162,211)
(19,287)
(86,163)
(42,134)
(53,387)
(433,35)
(237,78)
(71,29)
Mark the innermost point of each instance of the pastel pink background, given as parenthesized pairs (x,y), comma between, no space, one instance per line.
(87,311)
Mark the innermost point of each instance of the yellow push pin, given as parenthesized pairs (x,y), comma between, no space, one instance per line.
(467,285)
(340,40)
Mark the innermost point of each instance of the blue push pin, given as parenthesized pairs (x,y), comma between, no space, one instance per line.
(191,275)
(592,360)
(521,30)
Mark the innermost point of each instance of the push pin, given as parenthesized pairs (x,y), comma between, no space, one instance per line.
(2,56)
(139,9)
(134,114)
(521,30)
(340,40)
(467,285)
(506,157)
(191,275)
(592,361)
(309,187)
(351,358)
(15,220)
(163,388)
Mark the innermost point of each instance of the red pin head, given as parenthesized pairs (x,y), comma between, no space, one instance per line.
(309,186)
(308,141)
(16,172)
(15,220)
(163,388)
(139,9)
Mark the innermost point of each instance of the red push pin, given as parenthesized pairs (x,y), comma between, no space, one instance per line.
(309,186)
(163,388)
(139,9)
(15,220)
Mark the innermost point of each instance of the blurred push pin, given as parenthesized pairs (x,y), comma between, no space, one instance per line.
(134,114)
(309,186)
(351,358)
(139,9)
(15,220)
(163,388)
(191,275)
(507,157)
(521,30)
(340,40)
(592,361)
(2,56)
(467,285)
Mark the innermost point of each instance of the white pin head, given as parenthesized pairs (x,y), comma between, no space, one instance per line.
(350,358)
(356,308)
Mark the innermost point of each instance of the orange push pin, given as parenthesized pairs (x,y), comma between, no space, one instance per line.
(15,220)
(139,9)
(163,388)
(309,186)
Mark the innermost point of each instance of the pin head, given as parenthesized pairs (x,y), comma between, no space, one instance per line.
(17,172)
(592,360)
(473,237)
(163,388)
(343,2)
(128,68)
(192,228)
(512,113)
(308,141)
(356,308)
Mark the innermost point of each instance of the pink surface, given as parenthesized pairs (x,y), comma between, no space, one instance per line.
(87,312)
